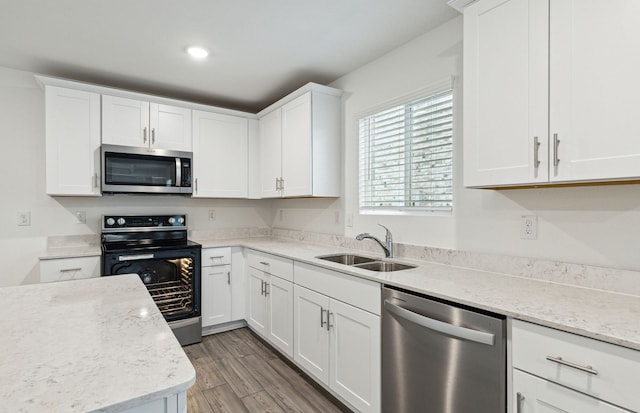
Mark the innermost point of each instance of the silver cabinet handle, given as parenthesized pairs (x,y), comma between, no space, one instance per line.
(586,369)
(261,287)
(277,184)
(536,149)
(264,263)
(70,269)
(196,185)
(153,135)
(441,327)
(322,322)
(266,288)
(229,277)
(556,142)
(519,400)
(282,184)
(144,134)
(95,180)
(329,325)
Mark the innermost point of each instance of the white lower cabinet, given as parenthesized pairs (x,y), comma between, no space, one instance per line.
(270,300)
(222,293)
(535,395)
(63,269)
(335,342)
(555,371)
(339,344)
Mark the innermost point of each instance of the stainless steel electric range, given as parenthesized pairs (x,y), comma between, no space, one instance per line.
(157,249)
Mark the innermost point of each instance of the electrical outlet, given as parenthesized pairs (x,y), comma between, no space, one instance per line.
(212,215)
(24,218)
(529,227)
(81,216)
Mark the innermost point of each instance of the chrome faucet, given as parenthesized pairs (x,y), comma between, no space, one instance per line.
(388,241)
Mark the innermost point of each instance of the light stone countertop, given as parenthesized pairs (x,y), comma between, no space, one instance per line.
(71,252)
(606,316)
(97,344)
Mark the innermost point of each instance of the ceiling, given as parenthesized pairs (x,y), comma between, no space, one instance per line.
(260,49)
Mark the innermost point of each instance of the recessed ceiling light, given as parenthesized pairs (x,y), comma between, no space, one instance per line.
(197,52)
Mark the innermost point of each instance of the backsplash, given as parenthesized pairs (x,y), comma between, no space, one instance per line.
(608,279)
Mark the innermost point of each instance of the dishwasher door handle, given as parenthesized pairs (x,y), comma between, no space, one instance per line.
(439,326)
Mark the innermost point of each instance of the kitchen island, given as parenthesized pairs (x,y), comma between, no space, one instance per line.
(93,345)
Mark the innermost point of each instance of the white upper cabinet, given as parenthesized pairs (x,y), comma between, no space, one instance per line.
(270,138)
(220,155)
(550,89)
(300,144)
(72,129)
(132,122)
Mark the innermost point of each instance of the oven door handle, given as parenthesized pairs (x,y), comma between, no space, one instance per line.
(441,327)
(135,257)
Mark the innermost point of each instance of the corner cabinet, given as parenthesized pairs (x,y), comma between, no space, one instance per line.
(300,144)
(550,90)
(132,122)
(72,129)
(220,155)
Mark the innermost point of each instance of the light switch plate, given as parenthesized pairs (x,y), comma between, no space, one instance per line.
(24,218)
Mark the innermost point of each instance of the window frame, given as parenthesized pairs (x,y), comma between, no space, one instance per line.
(404,100)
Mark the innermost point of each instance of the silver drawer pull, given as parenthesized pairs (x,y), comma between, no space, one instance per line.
(559,360)
(70,269)
(217,257)
(264,263)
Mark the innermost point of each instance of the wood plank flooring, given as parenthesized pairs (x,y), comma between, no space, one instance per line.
(238,372)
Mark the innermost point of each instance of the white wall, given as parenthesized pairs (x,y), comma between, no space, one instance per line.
(22,188)
(597,225)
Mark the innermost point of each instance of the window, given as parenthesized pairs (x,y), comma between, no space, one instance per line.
(406,155)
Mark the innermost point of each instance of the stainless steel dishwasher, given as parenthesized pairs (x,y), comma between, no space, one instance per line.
(440,357)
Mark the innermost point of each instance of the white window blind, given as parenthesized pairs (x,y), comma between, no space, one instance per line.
(406,155)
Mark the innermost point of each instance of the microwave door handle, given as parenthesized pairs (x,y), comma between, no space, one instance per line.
(178,172)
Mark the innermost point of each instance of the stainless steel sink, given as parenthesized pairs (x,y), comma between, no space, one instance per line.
(384,266)
(346,259)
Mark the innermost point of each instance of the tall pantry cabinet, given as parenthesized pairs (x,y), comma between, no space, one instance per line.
(551,91)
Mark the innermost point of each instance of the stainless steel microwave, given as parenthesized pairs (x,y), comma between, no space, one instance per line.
(127,169)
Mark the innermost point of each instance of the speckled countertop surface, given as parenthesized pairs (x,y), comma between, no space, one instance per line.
(610,317)
(89,345)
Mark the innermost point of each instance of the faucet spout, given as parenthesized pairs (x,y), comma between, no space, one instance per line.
(387,247)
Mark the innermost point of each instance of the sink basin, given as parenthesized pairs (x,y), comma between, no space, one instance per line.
(346,259)
(384,266)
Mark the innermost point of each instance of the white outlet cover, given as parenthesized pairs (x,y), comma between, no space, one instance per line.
(529,227)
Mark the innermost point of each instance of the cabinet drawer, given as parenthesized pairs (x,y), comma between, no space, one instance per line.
(272,264)
(216,256)
(69,269)
(346,288)
(614,369)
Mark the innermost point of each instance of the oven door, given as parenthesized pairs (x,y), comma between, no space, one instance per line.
(171,276)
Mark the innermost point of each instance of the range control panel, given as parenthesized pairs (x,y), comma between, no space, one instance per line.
(116,222)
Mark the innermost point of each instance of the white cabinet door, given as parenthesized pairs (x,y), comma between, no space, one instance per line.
(536,395)
(257,316)
(311,341)
(216,295)
(72,129)
(125,121)
(506,92)
(355,356)
(296,147)
(595,89)
(280,296)
(64,269)
(271,153)
(220,155)
(170,127)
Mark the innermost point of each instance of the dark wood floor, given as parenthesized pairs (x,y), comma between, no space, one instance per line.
(236,372)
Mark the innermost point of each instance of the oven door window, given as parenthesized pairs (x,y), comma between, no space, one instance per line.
(130,169)
(170,281)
